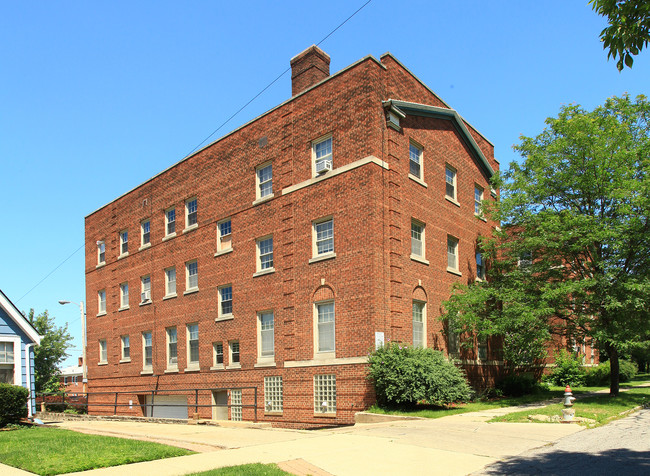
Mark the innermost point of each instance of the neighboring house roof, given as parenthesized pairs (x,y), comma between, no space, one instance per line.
(13,313)
(71,371)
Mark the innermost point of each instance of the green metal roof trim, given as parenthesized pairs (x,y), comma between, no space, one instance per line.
(425,110)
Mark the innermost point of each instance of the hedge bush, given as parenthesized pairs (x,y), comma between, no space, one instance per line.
(599,375)
(516,385)
(13,403)
(568,370)
(405,375)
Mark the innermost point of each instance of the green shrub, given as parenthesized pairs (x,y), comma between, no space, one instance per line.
(13,403)
(599,375)
(405,375)
(568,370)
(516,385)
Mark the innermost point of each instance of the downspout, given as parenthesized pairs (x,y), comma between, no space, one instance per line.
(28,377)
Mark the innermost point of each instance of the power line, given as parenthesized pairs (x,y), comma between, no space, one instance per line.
(274,81)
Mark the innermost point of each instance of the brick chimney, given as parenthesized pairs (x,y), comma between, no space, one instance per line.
(308,68)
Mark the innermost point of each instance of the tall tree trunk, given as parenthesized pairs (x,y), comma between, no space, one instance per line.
(612,352)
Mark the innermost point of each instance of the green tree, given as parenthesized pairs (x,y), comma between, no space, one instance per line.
(50,353)
(573,258)
(628,31)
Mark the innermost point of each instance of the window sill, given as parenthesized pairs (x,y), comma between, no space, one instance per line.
(481,217)
(265,363)
(454,271)
(145,303)
(452,200)
(323,257)
(192,369)
(123,255)
(171,370)
(418,180)
(217,367)
(147,372)
(100,265)
(102,363)
(263,272)
(191,291)
(225,317)
(325,355)
(145,246)
(324,415)
(191,228)
(125,361)
(419,259)
(169,237)
(272,413)
(124,308)
(233,366)
(263,199)
(170,296)
(223,252)
(103,313)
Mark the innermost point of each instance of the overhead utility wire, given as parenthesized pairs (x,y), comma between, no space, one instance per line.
(273,82)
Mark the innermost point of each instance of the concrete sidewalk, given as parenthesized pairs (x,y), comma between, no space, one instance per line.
(454,445)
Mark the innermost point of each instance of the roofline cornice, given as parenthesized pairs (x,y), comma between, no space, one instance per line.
(19,319)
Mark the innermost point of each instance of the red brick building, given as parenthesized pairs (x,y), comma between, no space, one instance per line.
(263,268)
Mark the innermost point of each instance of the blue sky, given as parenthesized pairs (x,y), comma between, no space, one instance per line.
(97,97)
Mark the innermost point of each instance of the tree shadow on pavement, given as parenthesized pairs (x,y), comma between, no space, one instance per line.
(609,462)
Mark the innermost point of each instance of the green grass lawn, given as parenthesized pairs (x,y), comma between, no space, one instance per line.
(601,408)
(47,451)
(256,469)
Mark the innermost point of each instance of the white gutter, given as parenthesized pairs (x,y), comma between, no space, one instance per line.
(29,380)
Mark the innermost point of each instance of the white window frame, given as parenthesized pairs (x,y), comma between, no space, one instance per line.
(145,288)
(273,394)
(419,310)
(145,234)
(188,276)
(169,273)
(191,215)
(264,330)
(220,291)
(416,155)
(125,348)
(262,254)
(325,392)
(171,347)
(13,342)
(101,252)
(261,182)
(103,351)
(190,329)
(319,350)
(418,241)
(216,365)
(231,351)
(124,295)
(147,367)
(124,243)
(170,223)
(480,266)
(452,253)
(224,240)
(316,256)
(315,146)
(478,201)
(453,183)
(101,302)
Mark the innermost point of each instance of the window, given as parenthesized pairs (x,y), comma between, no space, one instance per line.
(273,394)
(217,347)
(236,405)
(170,282)
(266,337)
(325,334)
(126,348)
(453,346)
(452,253)
(450,185)
(417,239)
(145,233)
(480,267)
(170,222)
(101,252)
(101,299)
(322,155)
(264,179)
(191,218)
(265,254)
(419,324)
(103,351)
(225,301)
(192,273)
(525,260)
(234,353)
(482,352)
(224,238)
(145,295)
(324,237)
(124,296)
(193,345)
(124,242)
(324,393)
(147,351)
(172,347)
(7,364)
(415,161)
(478,200)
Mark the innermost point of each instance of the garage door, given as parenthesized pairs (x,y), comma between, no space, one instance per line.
(167,406)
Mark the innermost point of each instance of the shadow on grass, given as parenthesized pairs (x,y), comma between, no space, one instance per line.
(615,461)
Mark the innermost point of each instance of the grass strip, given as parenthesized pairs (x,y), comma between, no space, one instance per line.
(255,469)
(49,451)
